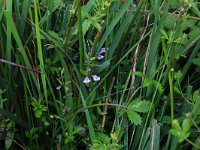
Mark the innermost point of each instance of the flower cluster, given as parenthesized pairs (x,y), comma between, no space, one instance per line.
(87,79)
(60,86)
(99,56)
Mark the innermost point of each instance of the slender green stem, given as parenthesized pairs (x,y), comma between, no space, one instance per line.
(80,33)
(171,93)
(193,144)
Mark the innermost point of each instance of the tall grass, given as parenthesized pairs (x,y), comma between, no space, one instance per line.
(99,74)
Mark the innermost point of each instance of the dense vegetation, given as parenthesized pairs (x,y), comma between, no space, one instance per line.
(100,74)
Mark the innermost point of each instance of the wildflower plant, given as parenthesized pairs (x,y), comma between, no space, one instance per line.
(103,74)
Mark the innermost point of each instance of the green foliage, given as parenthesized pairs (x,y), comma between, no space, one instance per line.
(135,107)
(104,142)
(38,108)
(112,74)
(183,131)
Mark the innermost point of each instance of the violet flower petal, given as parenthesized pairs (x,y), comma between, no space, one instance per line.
(58,87)
(100,57)
(103,50)
(66,88)
(95,77)
(86,80)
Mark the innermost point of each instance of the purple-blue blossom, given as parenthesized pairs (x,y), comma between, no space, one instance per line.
(103,50)
(86,80)
(95,77)
(58,87)
(100,57)
(66,88)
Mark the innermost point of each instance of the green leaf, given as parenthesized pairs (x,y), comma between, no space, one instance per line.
(101,67)
(175,132)
(134,117)
(102,137)
(38,114)
(14,118)
(158,85)
(177,90)
(142,106)
(9,139)
(55,36)
(96,25)
(178,75)
(186,125)
(176,125)
(195,96)
(196,61)
(148,82)
(165,36)
(86,25)
(101,112)
(137,73)
(135,101)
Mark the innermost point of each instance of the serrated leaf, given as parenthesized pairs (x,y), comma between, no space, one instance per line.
(176,125)
(186,125)
(141,106)
(195,95)
(134,102)
(174,132)
(102,137)
(134,117)
(86,25)
(178,75)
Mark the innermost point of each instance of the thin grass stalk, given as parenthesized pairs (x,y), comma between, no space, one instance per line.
(25,8)
(80,33)
(171,93)
(40,53)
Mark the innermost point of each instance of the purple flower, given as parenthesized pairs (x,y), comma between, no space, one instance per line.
(100,57)
(66,88)
(103,50)
(115,101)
(86,80)
(95,77)
(58,87)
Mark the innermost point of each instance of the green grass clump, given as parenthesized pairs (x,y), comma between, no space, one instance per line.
(100,74)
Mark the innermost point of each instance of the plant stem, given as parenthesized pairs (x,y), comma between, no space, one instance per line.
(171,93)
(80,33)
